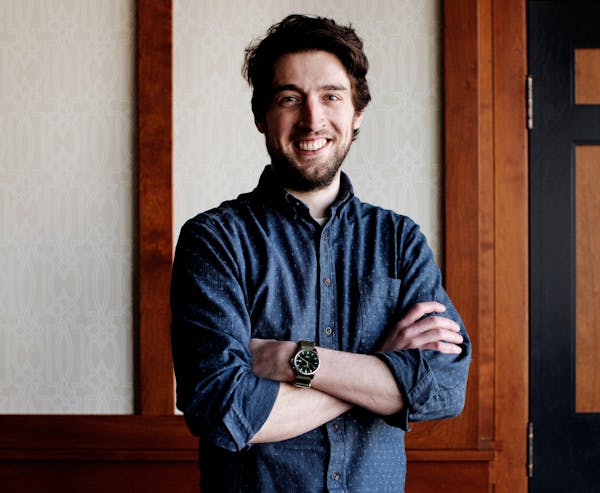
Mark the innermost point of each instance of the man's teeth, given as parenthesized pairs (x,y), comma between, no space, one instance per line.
(312,145)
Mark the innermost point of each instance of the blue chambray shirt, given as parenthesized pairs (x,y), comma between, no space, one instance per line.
(261,266)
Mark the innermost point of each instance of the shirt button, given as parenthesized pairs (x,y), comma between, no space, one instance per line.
(327,281)
(328,331)
(335,427)
(336,476)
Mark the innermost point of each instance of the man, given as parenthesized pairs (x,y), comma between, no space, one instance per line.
(306,324)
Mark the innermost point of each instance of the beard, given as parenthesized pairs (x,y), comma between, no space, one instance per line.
(292,176)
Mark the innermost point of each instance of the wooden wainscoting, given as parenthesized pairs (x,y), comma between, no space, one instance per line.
(94,454)
(461,471)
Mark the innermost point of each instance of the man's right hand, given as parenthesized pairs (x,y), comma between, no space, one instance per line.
(417,331)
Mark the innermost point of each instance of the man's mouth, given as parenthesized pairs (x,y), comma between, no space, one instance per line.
(311,145)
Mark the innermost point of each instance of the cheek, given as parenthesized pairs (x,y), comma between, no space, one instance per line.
(277,127)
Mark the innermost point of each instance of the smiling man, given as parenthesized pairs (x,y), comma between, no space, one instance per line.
(309,327)
(311,120)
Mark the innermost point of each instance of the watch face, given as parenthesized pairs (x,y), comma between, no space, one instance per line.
(306,362)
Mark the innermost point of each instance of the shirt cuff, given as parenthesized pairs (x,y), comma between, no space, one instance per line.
(415,381)
(247,414)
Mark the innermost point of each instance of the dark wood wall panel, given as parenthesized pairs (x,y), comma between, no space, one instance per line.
(449,477)
(99,477)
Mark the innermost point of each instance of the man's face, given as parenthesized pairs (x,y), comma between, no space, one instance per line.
(310,121)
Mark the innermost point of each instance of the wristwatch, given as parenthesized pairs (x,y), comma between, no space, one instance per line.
(305,363)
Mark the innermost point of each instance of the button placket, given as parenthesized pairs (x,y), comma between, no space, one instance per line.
(328,321)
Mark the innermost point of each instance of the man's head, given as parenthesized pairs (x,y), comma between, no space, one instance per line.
(298,33)
(310,93)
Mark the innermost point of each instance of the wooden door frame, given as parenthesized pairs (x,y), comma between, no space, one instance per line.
(485,260)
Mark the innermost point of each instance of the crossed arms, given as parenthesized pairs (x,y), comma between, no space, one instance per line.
(234,389)
(345,380)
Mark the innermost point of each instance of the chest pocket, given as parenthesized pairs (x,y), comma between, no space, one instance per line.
(379,307)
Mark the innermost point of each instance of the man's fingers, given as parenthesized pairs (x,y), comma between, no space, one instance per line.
(427,324)
(425,334)
(419,310)
(416,331)
(444,347)
(434,336)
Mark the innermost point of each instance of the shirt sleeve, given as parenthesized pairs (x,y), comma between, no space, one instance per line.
(433,384)
(222,400)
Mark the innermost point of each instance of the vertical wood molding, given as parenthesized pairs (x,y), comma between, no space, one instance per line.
(511,243)
(487,245)
(155,377)
(462,184)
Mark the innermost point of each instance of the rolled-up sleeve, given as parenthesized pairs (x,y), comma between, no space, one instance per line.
(222,400)
(433,384)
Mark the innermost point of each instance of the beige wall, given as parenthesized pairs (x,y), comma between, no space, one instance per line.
(66,205)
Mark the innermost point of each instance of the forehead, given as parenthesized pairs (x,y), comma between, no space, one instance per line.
(309,70)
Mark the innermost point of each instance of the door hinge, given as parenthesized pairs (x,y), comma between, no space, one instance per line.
(530,450)
(529,102)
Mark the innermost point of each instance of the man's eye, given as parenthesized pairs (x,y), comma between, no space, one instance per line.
(332,97)
(288,100)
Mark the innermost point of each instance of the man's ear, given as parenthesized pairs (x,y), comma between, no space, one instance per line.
(260,125)
(358,118)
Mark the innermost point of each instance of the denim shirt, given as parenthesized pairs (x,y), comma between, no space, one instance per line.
(261,266)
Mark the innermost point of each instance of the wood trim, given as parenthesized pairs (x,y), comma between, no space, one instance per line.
(154,69)
(96,438)
(511,243)
(136,438)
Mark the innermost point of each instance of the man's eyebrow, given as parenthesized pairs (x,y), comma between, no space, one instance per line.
(293,87)
(334,87)
(285,87)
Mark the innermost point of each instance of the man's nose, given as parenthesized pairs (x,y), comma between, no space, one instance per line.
(313,115)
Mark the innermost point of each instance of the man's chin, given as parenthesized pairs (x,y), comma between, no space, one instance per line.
(298,180)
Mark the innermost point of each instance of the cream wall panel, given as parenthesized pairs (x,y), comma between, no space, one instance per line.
(396,161)
(66,206)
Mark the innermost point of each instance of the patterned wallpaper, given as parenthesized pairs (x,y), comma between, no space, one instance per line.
(66,205)
(396,161)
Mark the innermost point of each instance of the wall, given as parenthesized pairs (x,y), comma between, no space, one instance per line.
(66,206)
(218,153)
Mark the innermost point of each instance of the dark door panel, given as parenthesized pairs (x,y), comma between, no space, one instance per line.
(564,249)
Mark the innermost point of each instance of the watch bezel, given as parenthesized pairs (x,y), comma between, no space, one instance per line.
(298,367)
(304,378)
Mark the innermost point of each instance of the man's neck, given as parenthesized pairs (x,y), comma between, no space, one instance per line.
(319,201)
